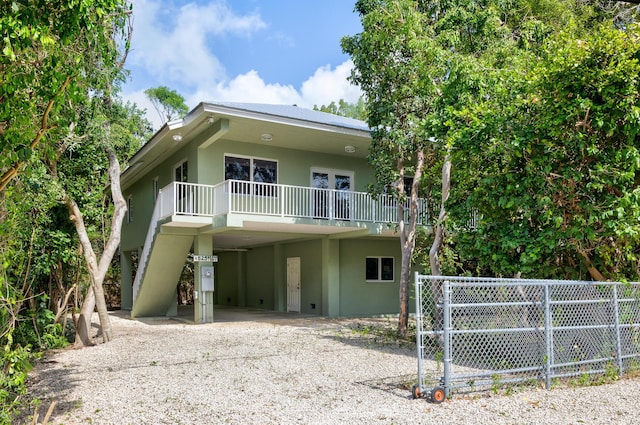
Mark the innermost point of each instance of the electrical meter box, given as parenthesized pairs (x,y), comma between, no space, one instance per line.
(206,278)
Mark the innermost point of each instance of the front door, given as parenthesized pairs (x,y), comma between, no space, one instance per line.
(337,203)
(293,284)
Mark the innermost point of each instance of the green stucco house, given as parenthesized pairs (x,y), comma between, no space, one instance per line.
(270,202)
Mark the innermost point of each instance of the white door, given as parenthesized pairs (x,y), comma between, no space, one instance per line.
(293,284)
(337,205)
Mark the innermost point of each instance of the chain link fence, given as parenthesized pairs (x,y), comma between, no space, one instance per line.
(486,333)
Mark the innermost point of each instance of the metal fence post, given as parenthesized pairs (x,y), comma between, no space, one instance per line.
(419,336)
(548,333)
(447,337)
(616,318)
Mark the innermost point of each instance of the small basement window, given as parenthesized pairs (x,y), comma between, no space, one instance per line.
(379,269)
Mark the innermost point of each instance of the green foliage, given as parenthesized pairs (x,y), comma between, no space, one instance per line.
(52,56)
(558,188)
(15,360)
(398,66)
(16,364)
(345,109)
(537,103)
(58,116)
(169,103)
(36,327)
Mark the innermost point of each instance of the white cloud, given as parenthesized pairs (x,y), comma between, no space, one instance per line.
(173,48)
(327,85)
(323,87)
(170,46)
(250,87)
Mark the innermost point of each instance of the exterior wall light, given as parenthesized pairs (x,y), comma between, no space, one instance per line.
(177,137)
(349,149)
(266,137)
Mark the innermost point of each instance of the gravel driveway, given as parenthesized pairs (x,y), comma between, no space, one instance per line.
(284,371)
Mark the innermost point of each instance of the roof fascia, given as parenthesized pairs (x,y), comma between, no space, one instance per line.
(279,119)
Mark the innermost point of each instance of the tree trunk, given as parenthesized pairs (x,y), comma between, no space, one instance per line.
(98,271)
(407,237)
(593,271)
(438,239)
(83,325)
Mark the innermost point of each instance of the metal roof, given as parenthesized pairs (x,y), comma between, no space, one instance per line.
(295,112)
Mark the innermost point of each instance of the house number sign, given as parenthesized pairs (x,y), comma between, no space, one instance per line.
(205,258)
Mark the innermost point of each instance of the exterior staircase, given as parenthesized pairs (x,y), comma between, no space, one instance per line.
(159,269)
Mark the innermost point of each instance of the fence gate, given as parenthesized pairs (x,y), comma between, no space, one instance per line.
(484,333)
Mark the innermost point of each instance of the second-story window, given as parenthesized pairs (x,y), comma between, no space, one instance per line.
(254,170)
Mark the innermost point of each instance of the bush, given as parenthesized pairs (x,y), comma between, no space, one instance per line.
(33,333)
(16,364)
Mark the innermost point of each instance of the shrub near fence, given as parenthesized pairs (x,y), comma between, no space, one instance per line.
(486,332)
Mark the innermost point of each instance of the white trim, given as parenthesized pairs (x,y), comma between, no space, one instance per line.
(179,164)
(332,176)
(239,112)
(251,159)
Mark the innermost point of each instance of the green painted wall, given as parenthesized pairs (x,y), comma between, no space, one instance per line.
(294,166)
(310,253)
(260,278)
(227,279)
(135,232)
(206,166)
(141,193)
(357,296)
(246,278)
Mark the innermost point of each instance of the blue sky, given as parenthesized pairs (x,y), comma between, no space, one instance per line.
(269,51)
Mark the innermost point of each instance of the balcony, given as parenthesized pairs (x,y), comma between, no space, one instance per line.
(277,200)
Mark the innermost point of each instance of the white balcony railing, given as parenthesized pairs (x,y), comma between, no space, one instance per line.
(267,199)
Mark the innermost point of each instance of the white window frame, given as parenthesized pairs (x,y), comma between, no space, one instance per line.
(332,176)
(271,192)
(379,277)
(179,165)
(251,159)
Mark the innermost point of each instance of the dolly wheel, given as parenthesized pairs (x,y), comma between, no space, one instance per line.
(437,395)
(415,392)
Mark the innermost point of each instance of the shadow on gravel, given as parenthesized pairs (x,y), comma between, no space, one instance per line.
(48,384)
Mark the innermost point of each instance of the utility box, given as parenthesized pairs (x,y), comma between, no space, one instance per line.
(206,278)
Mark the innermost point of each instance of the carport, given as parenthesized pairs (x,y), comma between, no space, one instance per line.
(225,314)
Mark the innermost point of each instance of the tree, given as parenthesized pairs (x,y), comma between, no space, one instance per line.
(422,65)
(110,132)
(559,189)
(61,66)
(345,109)
(397,66)
(48,56)
(168,103)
